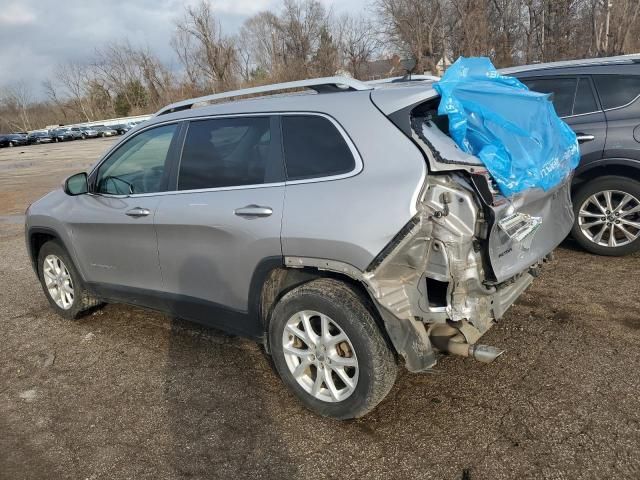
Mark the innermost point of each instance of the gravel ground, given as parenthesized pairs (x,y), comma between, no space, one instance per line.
(127,393)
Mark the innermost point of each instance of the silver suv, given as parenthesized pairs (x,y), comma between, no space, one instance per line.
(344,230)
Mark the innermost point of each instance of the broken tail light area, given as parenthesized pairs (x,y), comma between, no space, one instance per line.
(431,280)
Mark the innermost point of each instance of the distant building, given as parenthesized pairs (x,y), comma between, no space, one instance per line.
(389,67)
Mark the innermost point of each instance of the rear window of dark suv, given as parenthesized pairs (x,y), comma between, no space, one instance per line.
(617,90)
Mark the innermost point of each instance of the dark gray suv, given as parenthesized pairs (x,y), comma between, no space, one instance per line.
(600,100)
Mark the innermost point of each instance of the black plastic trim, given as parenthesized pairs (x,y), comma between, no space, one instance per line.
(196,310)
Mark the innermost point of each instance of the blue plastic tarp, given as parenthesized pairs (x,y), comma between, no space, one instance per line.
(515,132)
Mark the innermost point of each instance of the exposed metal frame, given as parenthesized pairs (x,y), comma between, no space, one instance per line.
(320,85)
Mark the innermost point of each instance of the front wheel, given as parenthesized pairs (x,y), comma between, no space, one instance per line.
(607,216)
(329,351)
(61,282)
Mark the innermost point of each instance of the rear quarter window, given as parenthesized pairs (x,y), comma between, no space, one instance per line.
(313,148)
(617,90)
(563,90)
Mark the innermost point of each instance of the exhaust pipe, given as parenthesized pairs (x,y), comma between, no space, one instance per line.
(450,340)
(485,353)
(456,345)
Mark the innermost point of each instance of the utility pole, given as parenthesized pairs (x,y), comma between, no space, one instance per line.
(542,39)
(608,5)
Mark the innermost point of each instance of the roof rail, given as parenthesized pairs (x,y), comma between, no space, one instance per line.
(405,78)
(320,85)
(583,62)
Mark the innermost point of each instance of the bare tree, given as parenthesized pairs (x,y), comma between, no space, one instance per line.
(73,79)
(614,26)
(16,100)
(410,26)
(52,94)
(214,55)
(358,43)
(301,25)
(264,42)
(187,55)
(117,68)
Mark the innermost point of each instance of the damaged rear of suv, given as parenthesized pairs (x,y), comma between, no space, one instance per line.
(468,253)
(344,230)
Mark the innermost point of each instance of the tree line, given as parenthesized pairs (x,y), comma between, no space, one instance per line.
(303,39)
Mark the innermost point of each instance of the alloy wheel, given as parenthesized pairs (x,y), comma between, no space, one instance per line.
(610,218)
(58,281)
(320,356)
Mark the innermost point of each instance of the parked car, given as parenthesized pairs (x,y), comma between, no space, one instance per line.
(314,224)
(106,131)
(62,135)
(77,133)
(84,132)
(13,140)
(600,100)
(39,137)
(122,128)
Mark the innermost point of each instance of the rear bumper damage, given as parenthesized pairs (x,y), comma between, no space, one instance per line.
(435,286)
(437,290)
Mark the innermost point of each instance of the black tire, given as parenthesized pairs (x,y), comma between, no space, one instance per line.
(601,184)
(84,137)
(377,368)
(82,299)
(11,144)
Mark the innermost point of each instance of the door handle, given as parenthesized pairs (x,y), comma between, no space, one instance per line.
(584,137)
(138,212)
(253,211)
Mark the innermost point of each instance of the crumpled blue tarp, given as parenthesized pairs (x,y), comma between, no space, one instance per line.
(515,132)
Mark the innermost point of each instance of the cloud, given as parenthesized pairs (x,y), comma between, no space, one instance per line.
(16,14)
(243,7)
(36,35)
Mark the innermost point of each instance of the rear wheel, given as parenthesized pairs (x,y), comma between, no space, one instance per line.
(607,212)
(329,351)
(61,282)
(11,144)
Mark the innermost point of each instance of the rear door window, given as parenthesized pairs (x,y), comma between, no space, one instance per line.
(313,148)
(617,90)
(563,90)
(585,101)
(229,152)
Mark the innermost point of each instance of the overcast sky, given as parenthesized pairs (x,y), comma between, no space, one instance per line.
(35,35)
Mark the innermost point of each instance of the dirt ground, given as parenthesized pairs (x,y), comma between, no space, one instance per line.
(127,393)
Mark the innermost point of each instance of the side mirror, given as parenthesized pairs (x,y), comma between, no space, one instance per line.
(76,184)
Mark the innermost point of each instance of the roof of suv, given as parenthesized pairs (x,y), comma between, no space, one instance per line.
(332,95)
(588,65)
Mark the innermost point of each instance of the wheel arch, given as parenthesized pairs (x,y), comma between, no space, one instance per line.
(273,279)
(36,238)
(623,167)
